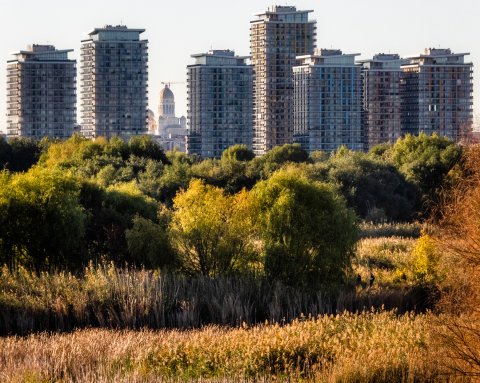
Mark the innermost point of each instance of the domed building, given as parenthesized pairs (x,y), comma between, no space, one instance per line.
(166,107)
(172,131)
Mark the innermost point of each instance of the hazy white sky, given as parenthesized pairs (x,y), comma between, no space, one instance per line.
(176,29)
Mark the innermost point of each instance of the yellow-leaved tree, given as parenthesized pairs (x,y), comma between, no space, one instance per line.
(212,232)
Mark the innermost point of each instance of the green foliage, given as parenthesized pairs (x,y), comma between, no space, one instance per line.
(274,159)
(19,154)
(41,222)
(148,243)
(211,231)
(145,147)
(374,188)
(319,156)
(307,230)
(379,151)
(174,177)
(426,161)
(111,212)
(238,153)
(286,153)
(231,175)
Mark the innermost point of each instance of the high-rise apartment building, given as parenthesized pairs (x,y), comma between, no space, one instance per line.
(219,112)
(437,94)
(277,37)
(114,83)
(328,101)
(41,93)
(381,99)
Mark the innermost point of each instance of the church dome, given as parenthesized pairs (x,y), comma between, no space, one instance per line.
(166,106)
(166,94)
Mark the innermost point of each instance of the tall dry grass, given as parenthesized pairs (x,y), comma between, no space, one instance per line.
(110,297)
(369,347)
(390,229)
(388,258)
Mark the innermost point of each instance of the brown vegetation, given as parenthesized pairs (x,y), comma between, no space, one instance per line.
(458,235)
(110,297)
(345,348)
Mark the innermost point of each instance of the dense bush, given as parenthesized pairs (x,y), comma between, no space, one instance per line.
(307,230)
(211,231)
(19,154)
(375,189)
(428,162)
(42,223)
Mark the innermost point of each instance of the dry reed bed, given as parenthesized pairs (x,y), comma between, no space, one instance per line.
(380,347)
(389,258)
(110,297)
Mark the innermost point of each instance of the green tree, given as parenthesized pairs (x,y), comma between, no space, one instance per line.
(238,153)
(146,147)
(211,231)
(307,230)
(148,242)
(19,154)
(426,161)
(373,187)
(274,159)
(110,213)
(228,174)
(174,177)
(42,224)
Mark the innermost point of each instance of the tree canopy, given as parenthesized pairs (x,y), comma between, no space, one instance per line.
(210,230)
(307,230)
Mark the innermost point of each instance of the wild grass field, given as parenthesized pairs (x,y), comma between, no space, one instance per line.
(111,297)
(370,347)
(373,346)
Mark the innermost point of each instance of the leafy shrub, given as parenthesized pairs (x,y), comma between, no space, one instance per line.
(307,230)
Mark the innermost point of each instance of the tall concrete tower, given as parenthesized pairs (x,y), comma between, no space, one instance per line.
(328,101)
(277,37)
(41,93)
(382,99)
(114,83)
(219,103)
(437,94)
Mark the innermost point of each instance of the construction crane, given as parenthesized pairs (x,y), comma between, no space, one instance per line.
(172,82)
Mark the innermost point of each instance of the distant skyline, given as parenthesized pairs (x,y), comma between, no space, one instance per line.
(176,30)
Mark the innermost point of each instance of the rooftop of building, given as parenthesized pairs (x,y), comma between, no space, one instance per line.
(384,61)
(217,53)
(115,28)
(441,56)
(115,33)
(39,52)
(220,57)
(328,57)
(283,13)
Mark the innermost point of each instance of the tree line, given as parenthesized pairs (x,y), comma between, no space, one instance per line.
(286,215)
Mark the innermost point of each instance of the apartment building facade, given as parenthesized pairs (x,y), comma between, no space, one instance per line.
(219,110)
(328,101)
(114,74)
(437,94)
(381,99)
(41,93)
(277,37)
